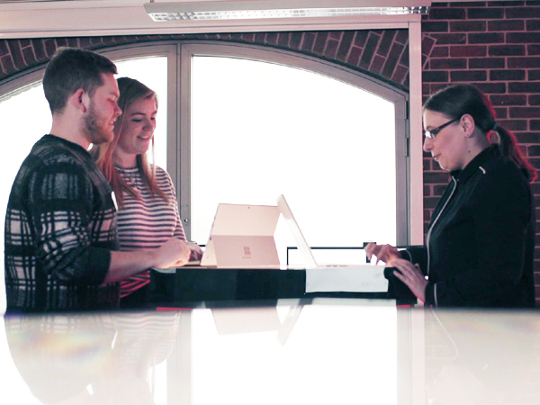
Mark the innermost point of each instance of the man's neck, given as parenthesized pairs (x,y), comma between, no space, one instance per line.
(69,131)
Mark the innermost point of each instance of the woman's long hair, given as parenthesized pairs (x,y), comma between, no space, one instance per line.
(457,100)
(131,90)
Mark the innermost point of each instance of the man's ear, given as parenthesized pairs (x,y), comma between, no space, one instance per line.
(80,100)
(467,125)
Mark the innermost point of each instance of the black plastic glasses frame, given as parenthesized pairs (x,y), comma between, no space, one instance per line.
(433,133)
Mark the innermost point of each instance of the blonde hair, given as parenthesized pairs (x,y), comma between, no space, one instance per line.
(131,90)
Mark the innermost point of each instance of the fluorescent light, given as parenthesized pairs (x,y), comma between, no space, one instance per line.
(249,10)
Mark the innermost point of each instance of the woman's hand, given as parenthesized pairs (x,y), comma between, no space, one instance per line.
(196,251)
(411,275)
(384,253)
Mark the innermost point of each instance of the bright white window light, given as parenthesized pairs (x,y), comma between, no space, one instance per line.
(263,10)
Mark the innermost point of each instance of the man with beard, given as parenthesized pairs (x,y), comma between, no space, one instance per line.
(60,231)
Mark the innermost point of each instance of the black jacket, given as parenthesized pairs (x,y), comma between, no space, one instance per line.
(479,248)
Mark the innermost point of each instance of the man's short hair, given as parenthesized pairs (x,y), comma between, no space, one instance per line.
(71,69)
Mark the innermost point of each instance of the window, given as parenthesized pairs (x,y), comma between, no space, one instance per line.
(265,123)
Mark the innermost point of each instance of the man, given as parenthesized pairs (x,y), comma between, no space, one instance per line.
(60,234)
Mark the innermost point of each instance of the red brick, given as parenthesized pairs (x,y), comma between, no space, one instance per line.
(440,52)
(507,74)
(386,41)
(345,45)
(524,62)
(528,137)
(260,37)
(402,36)
(16,54)
(468,75)
(499,100)
(436,76)
(435,26)
(533,49)
(448,39)
(525,112)
(489,38)
(436,177)
(391,61)
(535,125)
(296,40)
(491,88)
(337,35)
(377,64)
(431,202)
(467,26)
(507,50)
(439,189)
(490,63)
(448,63)
(467,51)
(309,40)
(320,43)
(400,75)
(7,65)
(533,25)
(534,99)
(361,38)
(427,44)
(522,37)
(29,56)
(354,56)
(404,60)
(283,39)
(447,14)
(514,125)
(533,75)
(490,13)
(523,12)
(369,50)
(500,113)
(331,49)
(506,25)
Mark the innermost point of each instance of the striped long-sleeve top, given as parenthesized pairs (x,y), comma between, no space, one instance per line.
(146,222)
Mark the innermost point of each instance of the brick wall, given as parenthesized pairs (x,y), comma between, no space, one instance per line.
(496,46)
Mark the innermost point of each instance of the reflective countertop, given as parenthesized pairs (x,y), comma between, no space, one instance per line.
(328,351)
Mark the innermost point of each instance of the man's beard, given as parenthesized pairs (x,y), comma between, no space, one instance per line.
(94,129)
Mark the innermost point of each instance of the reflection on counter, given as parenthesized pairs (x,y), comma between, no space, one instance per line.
(330,351)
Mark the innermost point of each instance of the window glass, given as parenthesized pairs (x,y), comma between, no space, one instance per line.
(261,129)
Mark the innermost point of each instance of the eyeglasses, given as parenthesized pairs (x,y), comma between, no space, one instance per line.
(433,133)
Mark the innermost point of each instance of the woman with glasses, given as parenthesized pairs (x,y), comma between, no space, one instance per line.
(479,246)
(147,206)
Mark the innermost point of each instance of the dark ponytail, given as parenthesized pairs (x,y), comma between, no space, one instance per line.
(457,100)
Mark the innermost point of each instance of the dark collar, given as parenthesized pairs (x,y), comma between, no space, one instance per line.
(474,165)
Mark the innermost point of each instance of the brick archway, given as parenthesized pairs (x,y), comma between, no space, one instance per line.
(382,54)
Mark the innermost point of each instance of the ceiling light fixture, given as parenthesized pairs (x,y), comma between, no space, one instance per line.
(257,9)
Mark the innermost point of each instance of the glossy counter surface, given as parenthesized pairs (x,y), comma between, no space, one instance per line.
(330,351)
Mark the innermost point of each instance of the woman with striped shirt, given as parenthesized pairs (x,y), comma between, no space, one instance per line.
(147,206)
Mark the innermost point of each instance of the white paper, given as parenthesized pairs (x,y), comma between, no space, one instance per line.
(368,278)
